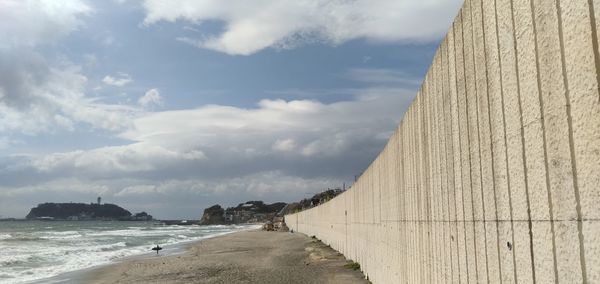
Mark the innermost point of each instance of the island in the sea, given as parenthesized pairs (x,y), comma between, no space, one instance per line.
(84,212)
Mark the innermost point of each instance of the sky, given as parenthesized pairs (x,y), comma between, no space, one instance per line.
(169,107)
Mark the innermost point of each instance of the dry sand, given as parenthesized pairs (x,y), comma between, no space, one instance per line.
(244,257)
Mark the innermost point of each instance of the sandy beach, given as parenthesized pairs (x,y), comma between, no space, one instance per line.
(244,257)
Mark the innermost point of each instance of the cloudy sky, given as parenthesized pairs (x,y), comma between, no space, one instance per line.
(172,106)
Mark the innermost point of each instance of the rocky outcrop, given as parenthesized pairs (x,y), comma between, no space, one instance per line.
(213,215)
(248,212)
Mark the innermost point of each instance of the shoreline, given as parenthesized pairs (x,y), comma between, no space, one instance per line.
(250,256)
(169,250)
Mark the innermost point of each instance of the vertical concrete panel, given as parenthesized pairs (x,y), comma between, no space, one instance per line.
(534,144)
(402,204)
(420,188)
(560,171)
(408,196)
(515,156)
(581,65)
(428,178)
(405,163)
(416,193)
(496,112)
(415,237)
(463,130)
(438,195)
(410,203)
(413,200)
(441,136)
(433,186)
(456,164)
(473,135)
(397,187)
(435,164)
(451,269)
(449,137)
(485,147)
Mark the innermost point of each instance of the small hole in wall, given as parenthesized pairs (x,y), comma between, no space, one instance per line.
(509,245)
(452,238)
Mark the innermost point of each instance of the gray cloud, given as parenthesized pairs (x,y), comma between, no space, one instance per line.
(252,26)
(216,151)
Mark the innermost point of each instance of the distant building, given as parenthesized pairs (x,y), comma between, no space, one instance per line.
(99,200)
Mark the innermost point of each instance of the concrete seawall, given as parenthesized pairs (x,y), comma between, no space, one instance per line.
(493,175)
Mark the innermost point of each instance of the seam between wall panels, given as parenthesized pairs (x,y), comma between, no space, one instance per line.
(595,42)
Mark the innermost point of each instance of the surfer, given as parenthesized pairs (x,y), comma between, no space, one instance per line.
(156,248)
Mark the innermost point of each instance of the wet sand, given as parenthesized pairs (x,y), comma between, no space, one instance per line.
(244,257)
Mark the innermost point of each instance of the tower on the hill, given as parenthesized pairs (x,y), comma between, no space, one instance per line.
(99,200)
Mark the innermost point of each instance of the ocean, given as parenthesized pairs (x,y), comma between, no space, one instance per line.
(31,251)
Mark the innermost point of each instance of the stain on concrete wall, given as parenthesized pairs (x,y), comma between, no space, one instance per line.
(493,175)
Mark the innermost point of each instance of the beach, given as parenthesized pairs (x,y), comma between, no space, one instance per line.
(243,257)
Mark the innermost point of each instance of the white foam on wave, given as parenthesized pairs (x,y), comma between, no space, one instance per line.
(67,251)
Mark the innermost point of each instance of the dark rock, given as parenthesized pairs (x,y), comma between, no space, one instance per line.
(213,215)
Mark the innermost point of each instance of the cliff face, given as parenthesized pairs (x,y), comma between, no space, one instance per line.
(78,210)
(249,212)
(257,207)
(213,216)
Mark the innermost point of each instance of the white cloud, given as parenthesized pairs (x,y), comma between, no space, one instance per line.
(138,157)
(37,96)
(300,128)
(284,145)
(151,97)
(121,79)
(252,26)
(227,141)
(27,23)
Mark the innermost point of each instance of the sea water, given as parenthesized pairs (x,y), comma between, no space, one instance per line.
(34,250)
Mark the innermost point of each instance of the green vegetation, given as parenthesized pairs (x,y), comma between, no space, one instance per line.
(352,265)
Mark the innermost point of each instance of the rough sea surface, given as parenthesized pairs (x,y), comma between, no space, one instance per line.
(34,250)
